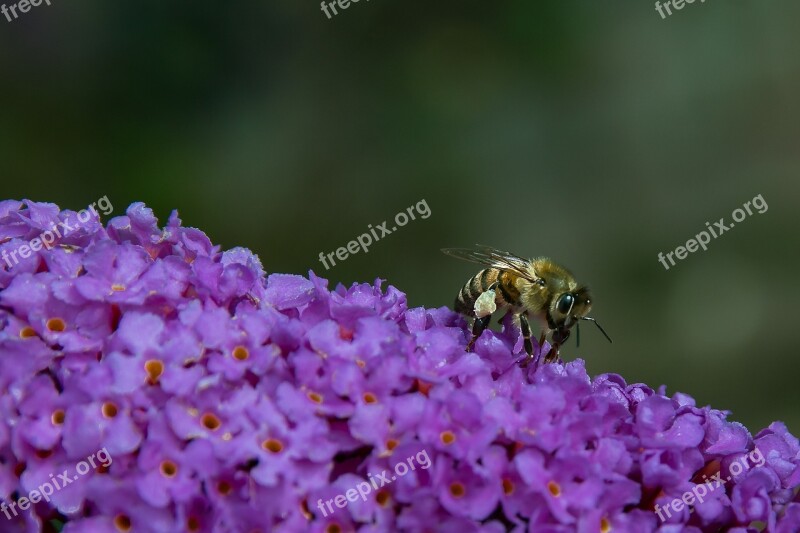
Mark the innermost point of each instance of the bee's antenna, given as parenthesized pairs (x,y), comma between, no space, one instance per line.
(578,334)
(598,327)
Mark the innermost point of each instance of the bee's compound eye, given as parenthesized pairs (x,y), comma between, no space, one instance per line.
(565,304)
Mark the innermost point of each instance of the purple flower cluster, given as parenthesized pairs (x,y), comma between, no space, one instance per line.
(234,401)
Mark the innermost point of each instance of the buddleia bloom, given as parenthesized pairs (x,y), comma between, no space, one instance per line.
(225,398)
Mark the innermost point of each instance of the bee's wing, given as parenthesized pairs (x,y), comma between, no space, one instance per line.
(488,256)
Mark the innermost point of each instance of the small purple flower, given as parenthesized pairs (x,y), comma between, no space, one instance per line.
(233,400)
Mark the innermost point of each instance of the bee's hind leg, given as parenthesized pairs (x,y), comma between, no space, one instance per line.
(478,326)
(483,308)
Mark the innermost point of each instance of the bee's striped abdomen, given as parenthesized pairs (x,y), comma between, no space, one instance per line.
(465,301)
(506,291)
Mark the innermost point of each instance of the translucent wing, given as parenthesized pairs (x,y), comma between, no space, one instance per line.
(488,256)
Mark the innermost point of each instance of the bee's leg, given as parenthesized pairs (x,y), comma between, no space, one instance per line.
(560,336)
(526,334)
(478,326)
(552,355)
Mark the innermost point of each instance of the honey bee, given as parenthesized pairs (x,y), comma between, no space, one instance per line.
(538,288)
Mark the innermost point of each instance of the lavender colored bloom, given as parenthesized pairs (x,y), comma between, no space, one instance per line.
(232,400)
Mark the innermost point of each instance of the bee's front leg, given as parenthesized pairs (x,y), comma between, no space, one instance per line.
(560,336)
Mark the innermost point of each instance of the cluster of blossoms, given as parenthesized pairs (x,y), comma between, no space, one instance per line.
(234,401)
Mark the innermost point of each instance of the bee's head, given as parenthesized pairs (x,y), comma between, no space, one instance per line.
(569,307)
(568,310)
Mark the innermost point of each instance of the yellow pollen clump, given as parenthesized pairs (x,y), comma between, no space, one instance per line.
(27,332)
(508,487)
(554,488)
(605,526)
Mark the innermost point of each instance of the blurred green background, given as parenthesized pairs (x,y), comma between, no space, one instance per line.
(596,133)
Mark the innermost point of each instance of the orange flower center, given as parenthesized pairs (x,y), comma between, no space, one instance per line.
(369,398)
(169,469)
(57,418)
(109,410)
(122,523)
(210,421)
(56,324)
(314,397)
(224,488)
(382,497)
(154,369)
(272,445)
(448,437)
(457,489)
(240,353)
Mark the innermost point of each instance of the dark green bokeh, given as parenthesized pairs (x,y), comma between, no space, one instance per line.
(596,133)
